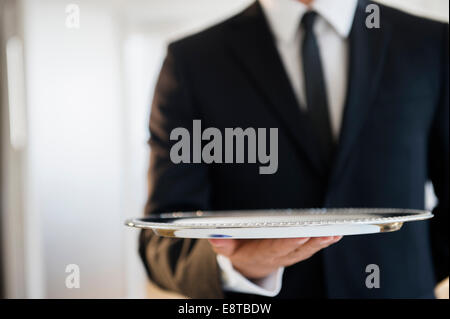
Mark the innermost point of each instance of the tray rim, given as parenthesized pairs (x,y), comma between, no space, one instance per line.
(405,215)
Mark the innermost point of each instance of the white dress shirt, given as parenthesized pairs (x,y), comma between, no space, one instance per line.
(332,27)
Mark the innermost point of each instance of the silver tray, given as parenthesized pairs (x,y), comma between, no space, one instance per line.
(278,223)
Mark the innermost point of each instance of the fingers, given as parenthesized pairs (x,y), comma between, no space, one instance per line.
(290,248)
(272,247)
(308,249)
(225,247)
(282,247)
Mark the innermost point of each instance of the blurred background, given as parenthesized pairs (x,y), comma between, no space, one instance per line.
(76,83)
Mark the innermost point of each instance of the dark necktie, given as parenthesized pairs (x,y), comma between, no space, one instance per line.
(316,97)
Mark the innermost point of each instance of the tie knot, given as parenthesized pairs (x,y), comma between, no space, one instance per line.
(308,20)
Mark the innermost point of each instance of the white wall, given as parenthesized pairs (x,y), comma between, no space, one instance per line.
(76,141)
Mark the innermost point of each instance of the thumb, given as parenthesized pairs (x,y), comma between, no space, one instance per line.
(224,247)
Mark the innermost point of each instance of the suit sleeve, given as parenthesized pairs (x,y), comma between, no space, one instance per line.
(439,171)
(185,266)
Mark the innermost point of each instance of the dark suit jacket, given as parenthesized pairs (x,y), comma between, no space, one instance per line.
(395,137)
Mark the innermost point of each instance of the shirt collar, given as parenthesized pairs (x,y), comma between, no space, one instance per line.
(285,15)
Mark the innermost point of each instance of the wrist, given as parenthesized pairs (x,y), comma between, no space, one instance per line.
(253,272)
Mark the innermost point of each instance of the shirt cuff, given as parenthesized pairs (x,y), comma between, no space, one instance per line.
(232,280)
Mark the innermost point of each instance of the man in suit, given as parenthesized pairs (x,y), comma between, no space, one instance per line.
(363,121)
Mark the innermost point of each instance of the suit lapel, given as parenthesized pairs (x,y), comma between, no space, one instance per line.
(253,47)
(367,54)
